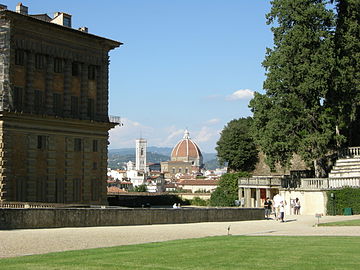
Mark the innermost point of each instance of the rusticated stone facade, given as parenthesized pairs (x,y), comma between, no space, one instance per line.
(53,112)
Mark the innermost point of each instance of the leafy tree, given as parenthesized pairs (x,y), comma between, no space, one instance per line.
(345,97)
(236,146)
(141,188)
(227,191)
(293,116)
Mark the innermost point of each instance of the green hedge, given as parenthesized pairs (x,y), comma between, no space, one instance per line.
(344,198)
(199,202)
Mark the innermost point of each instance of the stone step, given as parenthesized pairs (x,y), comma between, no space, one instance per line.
(346,167)
(335,168)
(348,160)
(348,172)
(344,174)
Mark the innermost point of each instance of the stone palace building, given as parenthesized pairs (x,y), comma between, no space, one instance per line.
(53,109)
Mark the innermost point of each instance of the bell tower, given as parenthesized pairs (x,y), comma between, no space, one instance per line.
(140,163)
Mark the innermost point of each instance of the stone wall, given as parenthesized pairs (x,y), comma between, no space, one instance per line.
(79,217)
(312,201)
(262,169)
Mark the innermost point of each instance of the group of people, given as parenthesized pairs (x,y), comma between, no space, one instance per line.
(176,205)
(277,207)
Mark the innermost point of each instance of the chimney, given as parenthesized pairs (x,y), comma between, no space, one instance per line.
(84,29)
(62,19)
(20,8)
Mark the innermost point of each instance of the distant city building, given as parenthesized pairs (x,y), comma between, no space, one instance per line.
(187,150)
(142,173)
(53,109)
(186,158)
(141,147)
(130,166)
(154,167)
(197,185)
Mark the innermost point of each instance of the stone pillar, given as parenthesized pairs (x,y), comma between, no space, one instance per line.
(105,87)
(99,116)
(7,180)
(103,149)
(84,88)
(67,87)
(29,91)
(69,165)
(49,80)
(241,196)
(247,197)
(268,193)
(31,167)
(257,199)
(51,169)
(87,170)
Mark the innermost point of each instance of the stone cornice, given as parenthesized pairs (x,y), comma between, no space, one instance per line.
(54,124)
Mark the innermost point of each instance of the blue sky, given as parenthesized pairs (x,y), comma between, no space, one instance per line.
(184,64)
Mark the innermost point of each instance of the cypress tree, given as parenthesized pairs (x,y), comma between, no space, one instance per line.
(293,116)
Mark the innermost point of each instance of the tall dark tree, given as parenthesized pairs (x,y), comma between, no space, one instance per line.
(293,115)
(236,146)
(345,97)
(227,191)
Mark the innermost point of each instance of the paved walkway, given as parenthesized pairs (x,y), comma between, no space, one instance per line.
(27,242)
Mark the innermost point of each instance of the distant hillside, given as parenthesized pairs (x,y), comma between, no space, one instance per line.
(212,164)
(117,157)
(166,151)
(117,160)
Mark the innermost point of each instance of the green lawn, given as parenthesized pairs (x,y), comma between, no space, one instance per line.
(224,252)
(355,222)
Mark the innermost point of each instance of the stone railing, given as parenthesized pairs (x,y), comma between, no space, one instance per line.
(254,181)
(351,152)
(115,119)
(329,183)
(24,205)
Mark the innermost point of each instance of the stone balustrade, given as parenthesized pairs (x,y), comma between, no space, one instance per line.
(115,119)
(33,205)
(329,183)
(351,152)
(260,181)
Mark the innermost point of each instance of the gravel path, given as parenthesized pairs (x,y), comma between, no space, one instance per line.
(39,241)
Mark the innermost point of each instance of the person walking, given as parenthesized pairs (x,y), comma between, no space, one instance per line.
(297,206)
(268,207)
(282,211)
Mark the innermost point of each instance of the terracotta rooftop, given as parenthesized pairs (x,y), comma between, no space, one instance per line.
(198,182)
(115,190)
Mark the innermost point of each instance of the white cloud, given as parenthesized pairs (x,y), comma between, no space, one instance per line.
(212,121)
(173,135)
(124,136)
(207,137)
(241,94)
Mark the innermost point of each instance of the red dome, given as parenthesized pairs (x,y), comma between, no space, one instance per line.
(187,150)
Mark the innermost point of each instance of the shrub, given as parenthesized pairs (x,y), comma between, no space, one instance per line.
(141,188)
(199,202)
